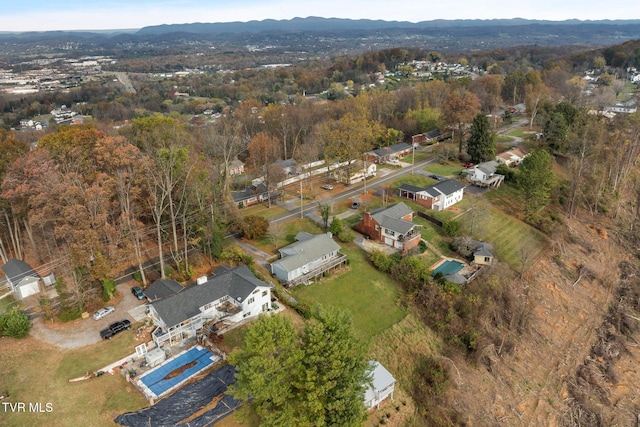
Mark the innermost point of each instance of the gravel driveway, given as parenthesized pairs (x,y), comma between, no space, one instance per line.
(83,332)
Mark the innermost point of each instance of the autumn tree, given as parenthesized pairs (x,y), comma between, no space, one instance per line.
(481,145)
(163,139)
(347,139)
(459,109)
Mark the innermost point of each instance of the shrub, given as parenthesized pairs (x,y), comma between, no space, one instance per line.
(451,228)
(336,226)
(70,313)
(137,276)
(14,324)
(108,289)
(346,235)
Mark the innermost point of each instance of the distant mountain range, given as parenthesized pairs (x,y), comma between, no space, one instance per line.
(330,36)
(337,24)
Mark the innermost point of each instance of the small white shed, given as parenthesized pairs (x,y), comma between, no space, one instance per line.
(382,386)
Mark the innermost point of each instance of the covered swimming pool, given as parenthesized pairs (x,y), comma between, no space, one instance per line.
(176,371)
(448,267)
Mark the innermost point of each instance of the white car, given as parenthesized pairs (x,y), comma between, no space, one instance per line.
(103,312)
(327,187)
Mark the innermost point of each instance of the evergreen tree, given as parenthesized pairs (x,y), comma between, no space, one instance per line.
(315,378)
(481,145)
(536,180)
(334,369)
(265,368)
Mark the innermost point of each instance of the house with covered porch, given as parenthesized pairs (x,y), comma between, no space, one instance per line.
(230,295)
(307,258)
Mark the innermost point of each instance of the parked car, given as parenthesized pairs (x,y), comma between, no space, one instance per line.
(115,328)
(103,312)
(436,177)
(355,205)
(138,292)
(327,187)
(468,165)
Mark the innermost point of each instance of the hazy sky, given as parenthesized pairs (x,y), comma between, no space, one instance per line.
(42,15)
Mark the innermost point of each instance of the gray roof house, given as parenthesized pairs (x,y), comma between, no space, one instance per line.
(483,254)
(232,295)
(21,278)
(392,226)
(307,258)
(484,174)
(162,288)
(384,154)
(382,386)
(438,196)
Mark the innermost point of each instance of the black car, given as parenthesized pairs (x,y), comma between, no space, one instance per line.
(436,177)
(115,328)
(138,292)
(355,205)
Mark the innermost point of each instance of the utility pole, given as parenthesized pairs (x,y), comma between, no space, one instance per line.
(301,201)
(365,173)
(413,156)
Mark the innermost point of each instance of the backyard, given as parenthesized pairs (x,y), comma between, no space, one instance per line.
(372,298)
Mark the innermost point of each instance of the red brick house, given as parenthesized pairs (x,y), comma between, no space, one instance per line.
(392,226)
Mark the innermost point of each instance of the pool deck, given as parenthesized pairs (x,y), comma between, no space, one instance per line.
(153,383)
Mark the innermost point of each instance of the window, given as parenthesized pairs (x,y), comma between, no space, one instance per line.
(487,259)
(207,306)
(247,314)
(377,227)
(264,293)
(256,291)
(389,232)
(250,300)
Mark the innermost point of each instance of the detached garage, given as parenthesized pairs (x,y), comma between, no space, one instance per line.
(22,279)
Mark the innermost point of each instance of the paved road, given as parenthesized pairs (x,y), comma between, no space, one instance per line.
(309,209)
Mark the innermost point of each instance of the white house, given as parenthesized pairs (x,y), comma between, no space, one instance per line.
(511,157)
(21,278)
(308,257)
(484,174)
(437,197)
(355,172)
(382,386)
(232,294)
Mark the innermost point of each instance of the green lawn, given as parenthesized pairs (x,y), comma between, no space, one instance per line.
(502,139)
(370,296)
(282,235)
(434,235)
(445,169)
(416,179)
(512,238)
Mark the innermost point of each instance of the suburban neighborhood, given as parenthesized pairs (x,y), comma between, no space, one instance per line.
(311,222)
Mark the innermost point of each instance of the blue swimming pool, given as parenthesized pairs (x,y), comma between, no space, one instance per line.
(448,267)
(187,363)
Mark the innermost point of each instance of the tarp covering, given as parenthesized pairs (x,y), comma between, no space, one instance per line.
(172,410)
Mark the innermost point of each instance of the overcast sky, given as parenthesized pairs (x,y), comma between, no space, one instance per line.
(44,15)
